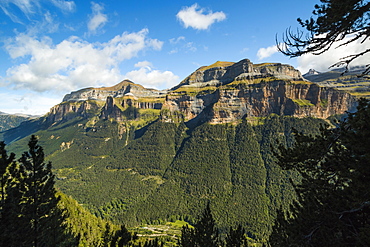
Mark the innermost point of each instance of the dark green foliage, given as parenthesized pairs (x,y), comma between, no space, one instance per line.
(334,21)
(40,202)
(11,208)
(151,243)
(152,152)
(249,182)
(5,162)
(333,206)
(34,214)
(205,232)
(30,216)
(236,237)
(131,113)
(167,171)
(187,238)
(122,237)
(279,129)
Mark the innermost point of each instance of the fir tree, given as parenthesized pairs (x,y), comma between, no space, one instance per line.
(236,237)
(39,206)
(335,23)
(205,232)
(12,222)
(333,206)
(5,162)
(187,238)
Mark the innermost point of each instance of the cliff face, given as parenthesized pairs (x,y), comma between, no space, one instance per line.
(69,110)
(123,88)
(220,93)
(259,100)
(221,73)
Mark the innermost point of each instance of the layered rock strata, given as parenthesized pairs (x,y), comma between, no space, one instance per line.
(220,93)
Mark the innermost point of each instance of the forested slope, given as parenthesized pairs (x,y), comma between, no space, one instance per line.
(168,171)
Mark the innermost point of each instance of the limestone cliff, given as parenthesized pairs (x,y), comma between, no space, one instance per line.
(220,93)
(227,104)
(221,73)
(123,88)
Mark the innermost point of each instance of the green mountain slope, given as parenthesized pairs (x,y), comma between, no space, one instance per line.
(8,121)
(149,179)
(163,157)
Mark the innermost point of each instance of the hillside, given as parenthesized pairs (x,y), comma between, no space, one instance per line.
(8,121)
(351,82)
(137,155)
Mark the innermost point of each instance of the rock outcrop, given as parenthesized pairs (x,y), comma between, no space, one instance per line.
(220,93)
(69,110)
(221,73)
(123,88)
(262,99)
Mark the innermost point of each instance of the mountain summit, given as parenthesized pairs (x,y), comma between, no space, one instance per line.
(223,92)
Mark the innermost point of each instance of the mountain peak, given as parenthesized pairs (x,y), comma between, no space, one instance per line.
(222,73)
(125,87)
(311,72)
(119,86)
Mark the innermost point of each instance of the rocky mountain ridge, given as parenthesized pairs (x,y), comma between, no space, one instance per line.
(220,93)
(124,88)
(352,81)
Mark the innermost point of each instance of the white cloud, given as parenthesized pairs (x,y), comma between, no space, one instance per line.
(97,20)
(174,41)
(73,63)
(266,52)
(194,17)
(190,47)
(27,7)
(150,78)
(31,9)
(66,6)
(182,45)
(27,103)
(143,64)
(333,55)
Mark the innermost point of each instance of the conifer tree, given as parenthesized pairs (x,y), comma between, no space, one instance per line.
(39,199)
(333,207)
(13,222)
(335,23)
(152,243)
(5,162)
(205,232)
(236,237)
(187,238)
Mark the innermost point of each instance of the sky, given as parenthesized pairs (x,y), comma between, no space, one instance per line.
(49,48)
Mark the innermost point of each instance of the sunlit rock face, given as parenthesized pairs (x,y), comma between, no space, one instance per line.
(223,92)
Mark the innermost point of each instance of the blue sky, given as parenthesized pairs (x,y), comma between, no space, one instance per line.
(52,47)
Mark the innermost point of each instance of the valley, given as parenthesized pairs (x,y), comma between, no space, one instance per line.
(143,156)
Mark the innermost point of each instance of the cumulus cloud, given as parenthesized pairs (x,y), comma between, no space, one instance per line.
(148,77)
(73,63)
(195,17)
(266,52)
(97,19)
(333,55)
